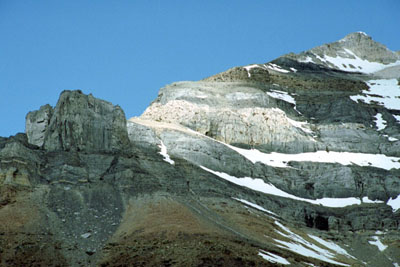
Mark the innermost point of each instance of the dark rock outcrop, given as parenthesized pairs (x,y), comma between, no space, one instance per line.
(83,123)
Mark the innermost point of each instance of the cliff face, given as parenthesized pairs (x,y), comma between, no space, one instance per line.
(296,161)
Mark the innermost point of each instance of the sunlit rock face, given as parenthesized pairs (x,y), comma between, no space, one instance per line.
(36,124)
(301,106)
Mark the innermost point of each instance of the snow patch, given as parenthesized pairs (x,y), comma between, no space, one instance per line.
(300,124)
(301,246)
(397,117)
(394,203)
(344,158)
(258,184)
(282,96)
(360,65)
(385,92)
(332,246)
(249,67)
(369,201)
(347,60)
(380,122)
(248,203)
(275,67)
(377,242)
(293,69)
(272,257)
(164,153)
(390,138)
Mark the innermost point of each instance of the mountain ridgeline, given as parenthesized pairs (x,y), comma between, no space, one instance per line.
(291,162)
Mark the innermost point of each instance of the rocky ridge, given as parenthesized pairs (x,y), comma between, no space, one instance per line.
(295,161)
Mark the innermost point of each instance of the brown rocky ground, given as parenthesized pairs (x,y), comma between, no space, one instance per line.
(158,229)
(25,239)
(161,231)
(164,231)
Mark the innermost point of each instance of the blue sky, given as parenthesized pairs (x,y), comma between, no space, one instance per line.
(125,51)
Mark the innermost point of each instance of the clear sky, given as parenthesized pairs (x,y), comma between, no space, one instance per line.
(125,51)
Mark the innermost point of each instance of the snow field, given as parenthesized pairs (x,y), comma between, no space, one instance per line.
(385,92)
(332,246)
(350,62)
(361,65)
(258,184)
(344,158)
(301,246)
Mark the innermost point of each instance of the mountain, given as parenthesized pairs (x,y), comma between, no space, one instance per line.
(356,52)
(292,162)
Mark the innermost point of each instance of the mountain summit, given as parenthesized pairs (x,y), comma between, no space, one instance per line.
(356,52)
(290,162)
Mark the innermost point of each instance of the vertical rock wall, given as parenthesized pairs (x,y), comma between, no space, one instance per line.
(79,122)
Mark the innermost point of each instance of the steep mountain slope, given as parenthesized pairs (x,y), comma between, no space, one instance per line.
(293,162)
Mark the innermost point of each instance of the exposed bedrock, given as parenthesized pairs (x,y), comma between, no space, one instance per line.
(80,123)
(36,124)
